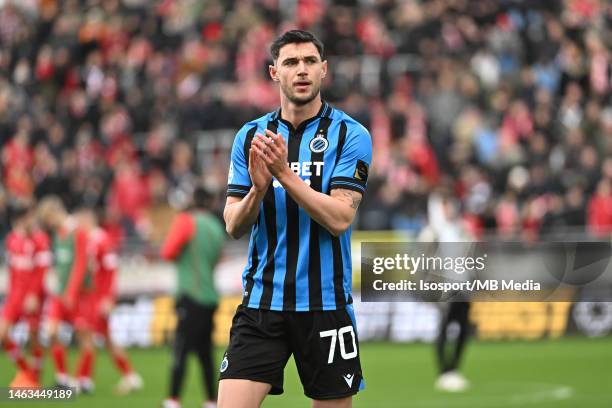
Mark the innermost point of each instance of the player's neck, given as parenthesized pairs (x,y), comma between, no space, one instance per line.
(296,114)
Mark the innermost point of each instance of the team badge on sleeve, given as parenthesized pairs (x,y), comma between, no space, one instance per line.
(361,171)
(230,173)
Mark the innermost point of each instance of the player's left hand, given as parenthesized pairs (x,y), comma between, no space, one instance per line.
(272,149)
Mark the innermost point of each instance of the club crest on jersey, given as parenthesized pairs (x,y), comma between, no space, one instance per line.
(319,144)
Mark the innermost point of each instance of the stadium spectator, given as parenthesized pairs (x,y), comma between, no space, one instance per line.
(495,85)
(600,210)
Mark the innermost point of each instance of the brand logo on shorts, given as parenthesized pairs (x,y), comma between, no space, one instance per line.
(224,364)
(349,379)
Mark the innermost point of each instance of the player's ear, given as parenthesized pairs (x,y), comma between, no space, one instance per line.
(324,69)
(273,73)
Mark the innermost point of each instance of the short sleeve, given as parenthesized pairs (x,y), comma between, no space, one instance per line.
(238,179)
(353,164)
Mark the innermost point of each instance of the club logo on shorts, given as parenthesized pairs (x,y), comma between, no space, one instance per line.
(319,144)
(349,379)
(224,364)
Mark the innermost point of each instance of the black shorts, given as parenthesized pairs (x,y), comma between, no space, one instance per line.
(195,323)
(324,345)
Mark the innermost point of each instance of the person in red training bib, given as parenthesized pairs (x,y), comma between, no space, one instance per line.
(104,263)
(71,301)
(25,293)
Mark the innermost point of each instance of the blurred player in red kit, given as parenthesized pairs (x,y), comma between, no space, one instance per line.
(103,262)
(70,302)
(28,257)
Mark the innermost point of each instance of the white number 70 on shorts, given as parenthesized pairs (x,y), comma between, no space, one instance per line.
(334,334)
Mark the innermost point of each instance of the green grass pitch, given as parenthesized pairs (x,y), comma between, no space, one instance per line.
(572,372)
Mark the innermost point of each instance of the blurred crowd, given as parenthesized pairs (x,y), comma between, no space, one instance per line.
(503,107)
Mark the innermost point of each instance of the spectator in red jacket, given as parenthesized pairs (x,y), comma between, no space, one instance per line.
(599,212)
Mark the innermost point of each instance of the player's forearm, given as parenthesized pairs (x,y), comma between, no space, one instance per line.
(333,215)
(239,216)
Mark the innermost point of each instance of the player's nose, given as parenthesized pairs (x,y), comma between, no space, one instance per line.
(302,71)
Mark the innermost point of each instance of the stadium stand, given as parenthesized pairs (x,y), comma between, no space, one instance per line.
(504,104)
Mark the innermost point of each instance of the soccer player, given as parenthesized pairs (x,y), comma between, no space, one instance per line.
(43,258)
(103,261)
(71,300)
(296,179)
(28,260)
(450,379)
(194,242)
(445,225)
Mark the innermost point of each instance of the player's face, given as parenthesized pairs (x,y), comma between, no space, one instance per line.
(50,218)
(85,218)
(299,70)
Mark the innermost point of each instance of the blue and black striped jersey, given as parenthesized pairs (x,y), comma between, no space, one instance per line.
(295,264)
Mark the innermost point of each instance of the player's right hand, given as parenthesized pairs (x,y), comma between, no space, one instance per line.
(260,175)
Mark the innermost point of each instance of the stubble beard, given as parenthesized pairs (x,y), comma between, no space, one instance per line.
(300,100)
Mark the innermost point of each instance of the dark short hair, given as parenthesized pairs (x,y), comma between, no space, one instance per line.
(295,37)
